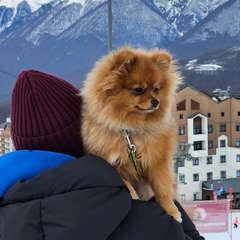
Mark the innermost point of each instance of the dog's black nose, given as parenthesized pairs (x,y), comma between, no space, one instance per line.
(154,102)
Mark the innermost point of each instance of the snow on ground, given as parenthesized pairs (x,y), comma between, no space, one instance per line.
(226,236)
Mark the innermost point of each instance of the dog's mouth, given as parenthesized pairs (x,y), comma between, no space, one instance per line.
(147,110)
(154,105)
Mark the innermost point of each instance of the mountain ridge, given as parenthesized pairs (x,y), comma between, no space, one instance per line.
(200,30)
(67,37)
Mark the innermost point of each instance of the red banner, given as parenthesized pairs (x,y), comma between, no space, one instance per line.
(209,216)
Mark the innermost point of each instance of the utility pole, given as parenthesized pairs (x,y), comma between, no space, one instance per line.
(109,25)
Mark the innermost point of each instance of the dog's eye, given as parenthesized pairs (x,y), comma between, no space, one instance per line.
(138,90)
(156,90)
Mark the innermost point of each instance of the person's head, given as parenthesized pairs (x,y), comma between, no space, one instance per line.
(45,114)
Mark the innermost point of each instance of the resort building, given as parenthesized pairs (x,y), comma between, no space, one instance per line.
(209,144)
(6,144)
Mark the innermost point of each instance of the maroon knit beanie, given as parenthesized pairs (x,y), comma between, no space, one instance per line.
(45,114)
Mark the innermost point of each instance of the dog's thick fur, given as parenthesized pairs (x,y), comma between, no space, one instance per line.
(134,90)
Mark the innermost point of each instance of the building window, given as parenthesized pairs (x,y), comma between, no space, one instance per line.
(238,142)
(181,130)
(238,113)
(195,105)
(197,145)
(181,106)
(223,174)
(209,175)
(222,114)
(197,129)
(209,160)
(238,173)
(181,178)
(195,177)
(210,144)
(210,128)
(222,143)
(238,158)
(237,127)
(181,162)
(181,146)
(223,159)
(196,196)
(195,161)
(183,197)
(181,116)
(223,127)
(209,115)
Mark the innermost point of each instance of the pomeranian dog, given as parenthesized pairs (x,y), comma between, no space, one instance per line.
(127,120)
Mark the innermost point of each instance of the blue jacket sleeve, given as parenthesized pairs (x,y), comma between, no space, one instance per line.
(25,164)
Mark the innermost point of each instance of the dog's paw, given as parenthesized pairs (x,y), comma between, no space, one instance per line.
(134,195)
(177,216)
(178,219)
(132,191)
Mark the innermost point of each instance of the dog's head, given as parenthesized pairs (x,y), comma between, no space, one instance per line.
(133,87)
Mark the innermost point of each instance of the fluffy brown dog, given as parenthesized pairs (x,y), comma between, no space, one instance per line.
(127,111)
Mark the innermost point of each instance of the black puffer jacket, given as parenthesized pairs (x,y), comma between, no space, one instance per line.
(82,199)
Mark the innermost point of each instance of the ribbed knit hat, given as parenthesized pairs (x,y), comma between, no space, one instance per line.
(45,114)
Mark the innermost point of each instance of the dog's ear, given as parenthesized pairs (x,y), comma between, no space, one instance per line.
(128,65)
(162,60)
(124,60)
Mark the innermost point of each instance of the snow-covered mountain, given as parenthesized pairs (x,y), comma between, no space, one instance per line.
(34,4)
(66,37)
(219,29)
(159,22)
(13,10)
(184,15)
